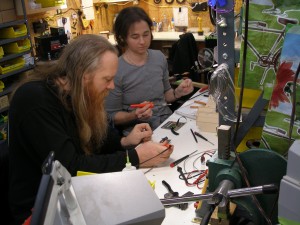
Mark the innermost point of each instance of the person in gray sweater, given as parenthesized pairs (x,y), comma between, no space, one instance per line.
(142,76)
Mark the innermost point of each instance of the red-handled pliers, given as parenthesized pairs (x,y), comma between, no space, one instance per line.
(141,105)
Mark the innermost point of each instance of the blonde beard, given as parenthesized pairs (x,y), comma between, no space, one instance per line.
(97,117)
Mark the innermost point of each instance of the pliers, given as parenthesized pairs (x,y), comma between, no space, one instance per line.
(141,105)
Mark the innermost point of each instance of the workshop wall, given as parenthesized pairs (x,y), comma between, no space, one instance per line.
(106,12)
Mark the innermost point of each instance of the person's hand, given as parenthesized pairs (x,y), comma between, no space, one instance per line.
(184,88)
(140,132)
(151,153)
(145,112)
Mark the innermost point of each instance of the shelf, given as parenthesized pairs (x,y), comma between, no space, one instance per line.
(23,69)
(10,40)
(29,10)
(12,23)
(6,90)
(13,56)
(13,33)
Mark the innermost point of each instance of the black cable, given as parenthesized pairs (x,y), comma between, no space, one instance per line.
(212,15)
(207,216)
(293,106)
(243,169)
(155,156)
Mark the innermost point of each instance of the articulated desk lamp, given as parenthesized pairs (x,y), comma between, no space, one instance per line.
(110,198)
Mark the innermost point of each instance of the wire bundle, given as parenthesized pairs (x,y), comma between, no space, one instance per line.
(198,175)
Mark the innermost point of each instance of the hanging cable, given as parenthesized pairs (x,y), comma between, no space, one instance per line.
(294,106)
(243,169)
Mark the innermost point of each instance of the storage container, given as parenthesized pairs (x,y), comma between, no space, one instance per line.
(1,86)
(14,31)
(11,65)
(1,52)
(17,47)
(50,3)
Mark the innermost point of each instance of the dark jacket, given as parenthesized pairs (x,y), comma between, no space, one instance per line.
(183,55)
(38,124)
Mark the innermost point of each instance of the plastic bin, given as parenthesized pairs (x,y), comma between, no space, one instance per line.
(11,65)
(17,47)
(50,3)
(2,86)
(1,52)
(14,31)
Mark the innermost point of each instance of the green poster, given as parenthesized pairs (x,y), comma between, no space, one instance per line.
(266,32)
(275,134)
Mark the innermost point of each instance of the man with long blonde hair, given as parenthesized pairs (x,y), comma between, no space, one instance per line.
(60,108)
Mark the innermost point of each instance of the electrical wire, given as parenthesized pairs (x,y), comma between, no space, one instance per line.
(207,216)
(198,174)
(292,120)
(154,156)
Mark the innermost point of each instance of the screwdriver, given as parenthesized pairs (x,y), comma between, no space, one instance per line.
(175,163)
(204,138)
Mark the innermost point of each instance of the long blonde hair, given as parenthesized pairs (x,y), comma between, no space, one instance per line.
(82,55)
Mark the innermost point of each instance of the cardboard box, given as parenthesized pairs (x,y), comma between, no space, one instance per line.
(6,5)
(8,15)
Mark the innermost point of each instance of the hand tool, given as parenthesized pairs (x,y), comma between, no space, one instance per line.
(204,138)
(165,139)
(170,193)
(200,102)
(141,105)
(194,135)
(175,163)
(202,92)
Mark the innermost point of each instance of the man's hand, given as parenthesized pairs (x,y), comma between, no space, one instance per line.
(151,153)
(140,132)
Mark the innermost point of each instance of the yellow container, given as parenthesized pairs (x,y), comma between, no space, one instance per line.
(17,47)
(11,65)
(14,31)
(50,3)
(1,52)
(2,86)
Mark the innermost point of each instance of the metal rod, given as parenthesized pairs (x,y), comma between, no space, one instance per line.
(264,189)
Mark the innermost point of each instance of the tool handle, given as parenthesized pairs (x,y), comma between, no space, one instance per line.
(199,135)
(141,105)
(200,102)
(167,186)
(175,163)
(203,89)
(270,189)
